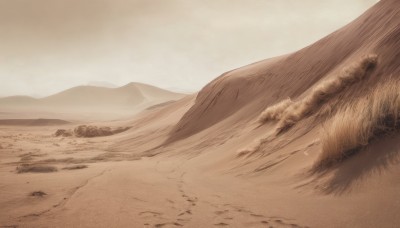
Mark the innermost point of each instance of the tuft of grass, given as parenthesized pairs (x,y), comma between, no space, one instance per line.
(289,113)
(86,131)
(355,125)
(26,168)
(275,112)
(63,133)
(92,131)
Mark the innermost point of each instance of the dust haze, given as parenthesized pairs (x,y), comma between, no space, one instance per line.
(50,45)
(291,116)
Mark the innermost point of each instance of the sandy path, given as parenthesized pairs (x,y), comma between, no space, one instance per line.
(152,193)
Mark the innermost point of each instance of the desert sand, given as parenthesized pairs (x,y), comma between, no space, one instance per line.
(212,159)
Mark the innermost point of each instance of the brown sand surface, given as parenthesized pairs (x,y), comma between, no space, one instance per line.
(200,185)
(206,160)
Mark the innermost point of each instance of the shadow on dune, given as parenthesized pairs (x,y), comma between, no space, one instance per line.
(378,158)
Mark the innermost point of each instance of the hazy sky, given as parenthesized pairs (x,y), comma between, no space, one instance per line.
(50,45)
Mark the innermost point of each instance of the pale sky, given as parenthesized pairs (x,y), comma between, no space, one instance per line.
(50,45)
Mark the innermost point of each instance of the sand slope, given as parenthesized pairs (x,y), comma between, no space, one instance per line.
(261,84)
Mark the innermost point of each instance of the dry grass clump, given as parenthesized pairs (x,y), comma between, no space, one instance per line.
(27,168)
(63,133)
(275,112)
(86,131)
(357,124)
(288,112)
(92,131)
(327,90)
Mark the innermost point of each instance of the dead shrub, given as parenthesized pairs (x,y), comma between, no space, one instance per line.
(86,131)
(92,131)
(63,133)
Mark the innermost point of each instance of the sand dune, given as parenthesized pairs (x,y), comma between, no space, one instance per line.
(99,97)
(107,102)
(207,161)
(17,100)
(261,84)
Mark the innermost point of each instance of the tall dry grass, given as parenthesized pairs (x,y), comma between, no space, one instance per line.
(288,112)
(358,123)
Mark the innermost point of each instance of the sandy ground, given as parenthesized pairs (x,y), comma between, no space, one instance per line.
(117,191)
(204,188)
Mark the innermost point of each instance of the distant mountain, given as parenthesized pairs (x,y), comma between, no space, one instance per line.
(132,97)
(102,84)
(17,100)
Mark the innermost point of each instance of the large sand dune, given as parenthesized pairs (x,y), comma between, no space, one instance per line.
(208,161)
(259,85)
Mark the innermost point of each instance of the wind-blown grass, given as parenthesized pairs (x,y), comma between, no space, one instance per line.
(288,113)
(360,122)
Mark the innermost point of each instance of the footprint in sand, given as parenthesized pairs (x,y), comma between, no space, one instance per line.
(185,212)
(150,213)
(221,224)
(165,224)
(221,212)
(256,215)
